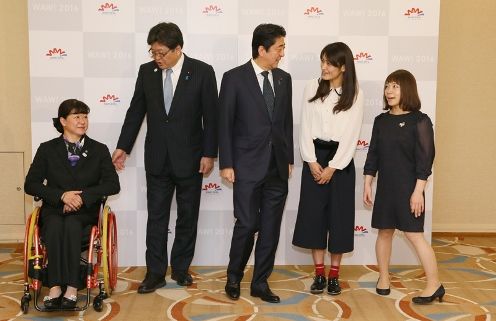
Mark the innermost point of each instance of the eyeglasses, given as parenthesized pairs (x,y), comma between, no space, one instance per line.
(158,54)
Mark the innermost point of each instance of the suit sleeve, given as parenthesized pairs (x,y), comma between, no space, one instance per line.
(289,122)
(209,101)
(134,116)
(37,174)
(108,184)
(227,106)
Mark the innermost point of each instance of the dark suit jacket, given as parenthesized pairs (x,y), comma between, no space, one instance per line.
(188,132)
(246,132)
(94,175)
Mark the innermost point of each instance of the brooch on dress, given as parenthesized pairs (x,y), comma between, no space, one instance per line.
(402,124)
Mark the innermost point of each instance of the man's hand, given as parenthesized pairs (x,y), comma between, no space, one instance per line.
(119,157)
(227,174)
(290,170)
(206,165)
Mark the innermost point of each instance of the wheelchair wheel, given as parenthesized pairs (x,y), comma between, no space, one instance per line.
(28,240)
(109,245)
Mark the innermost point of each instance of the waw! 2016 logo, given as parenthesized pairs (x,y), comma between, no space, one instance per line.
(211,188)
(212,10)
(362,145)
(361,230)
(363,58)
(56,53)
(108,8)
(313,12)
(415,13)
(110,100)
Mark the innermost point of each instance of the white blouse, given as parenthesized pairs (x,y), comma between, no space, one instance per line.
(319,121)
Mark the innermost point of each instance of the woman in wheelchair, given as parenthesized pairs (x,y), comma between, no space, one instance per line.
(71,174)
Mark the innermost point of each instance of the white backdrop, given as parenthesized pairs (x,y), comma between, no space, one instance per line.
(91,50)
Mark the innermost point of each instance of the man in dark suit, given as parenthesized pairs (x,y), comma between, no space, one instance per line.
(178,95)
(256,155)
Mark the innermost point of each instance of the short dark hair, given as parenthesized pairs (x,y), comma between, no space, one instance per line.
(265,35)
(409,100)
(339,54)
(167,34)
(68,107)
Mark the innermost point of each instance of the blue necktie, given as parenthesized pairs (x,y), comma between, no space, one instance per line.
(168,90)
(268,93)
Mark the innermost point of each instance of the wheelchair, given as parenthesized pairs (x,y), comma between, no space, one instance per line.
(101,248)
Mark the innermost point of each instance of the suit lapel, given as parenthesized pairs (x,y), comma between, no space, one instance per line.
(85,153)
(182,83)
(278,90)
(253,85)
(62,155)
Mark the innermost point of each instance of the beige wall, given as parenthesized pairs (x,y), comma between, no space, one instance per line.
(15,113)
(465,171)
(464,197)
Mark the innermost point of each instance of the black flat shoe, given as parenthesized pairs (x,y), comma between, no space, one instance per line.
(440,292)
(69,303)
(52,303)
(333,287)
(318,285)
(382,291)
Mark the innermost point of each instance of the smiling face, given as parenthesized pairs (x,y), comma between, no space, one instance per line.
(269,59)
(164,56)
(332,73)
(392,93)
(75,126)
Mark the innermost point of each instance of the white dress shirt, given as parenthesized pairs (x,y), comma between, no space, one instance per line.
(260,78)
(319,121)
(176,72)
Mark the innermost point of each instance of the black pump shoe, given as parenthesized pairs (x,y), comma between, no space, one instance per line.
(440,292)
(52,303)
(382,291)
(69,303)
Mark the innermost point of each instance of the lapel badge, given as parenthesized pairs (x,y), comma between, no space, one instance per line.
(85,153)
(402,124)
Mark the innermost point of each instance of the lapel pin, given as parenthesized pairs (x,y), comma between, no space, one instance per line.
(402,124)
(155,70)
(85,153)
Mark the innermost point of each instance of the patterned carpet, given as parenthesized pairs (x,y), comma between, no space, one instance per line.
(467,269)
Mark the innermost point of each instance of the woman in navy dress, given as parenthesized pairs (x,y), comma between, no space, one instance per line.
(402,152)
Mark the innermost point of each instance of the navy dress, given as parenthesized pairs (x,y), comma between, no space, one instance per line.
(401,151)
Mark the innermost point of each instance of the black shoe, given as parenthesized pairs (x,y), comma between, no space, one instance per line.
(382,291)
(333,287)
(182,278)
(265,294)
(151,283)
(52,303)
(318,285)
(68,303)
(232,290)
(440,292)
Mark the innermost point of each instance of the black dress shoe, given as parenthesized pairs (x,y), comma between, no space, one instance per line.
(151,283)
(440,292)
(68,303)
(232,290)
(182,278)
(52,303)
(265,294)
(333,287)
(382,291)
(318,285)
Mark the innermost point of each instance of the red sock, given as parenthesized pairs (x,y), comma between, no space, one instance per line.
(319,269)
(334,271)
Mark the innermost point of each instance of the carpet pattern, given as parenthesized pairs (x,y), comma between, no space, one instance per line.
(467,268)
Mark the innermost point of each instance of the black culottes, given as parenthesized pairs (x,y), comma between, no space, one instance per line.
(326,213)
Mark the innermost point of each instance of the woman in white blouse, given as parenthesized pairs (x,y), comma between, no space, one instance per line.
(331,118)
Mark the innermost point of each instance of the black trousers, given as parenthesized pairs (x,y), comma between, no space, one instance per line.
(160,189)
(62,235)
(258,207)
(326,213)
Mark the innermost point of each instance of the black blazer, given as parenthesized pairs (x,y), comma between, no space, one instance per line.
(94,174)
(188,132)
(246,132)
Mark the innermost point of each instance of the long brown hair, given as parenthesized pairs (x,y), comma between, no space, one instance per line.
(339,54)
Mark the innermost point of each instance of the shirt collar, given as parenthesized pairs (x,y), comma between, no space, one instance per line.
(257,68)
(176,69)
